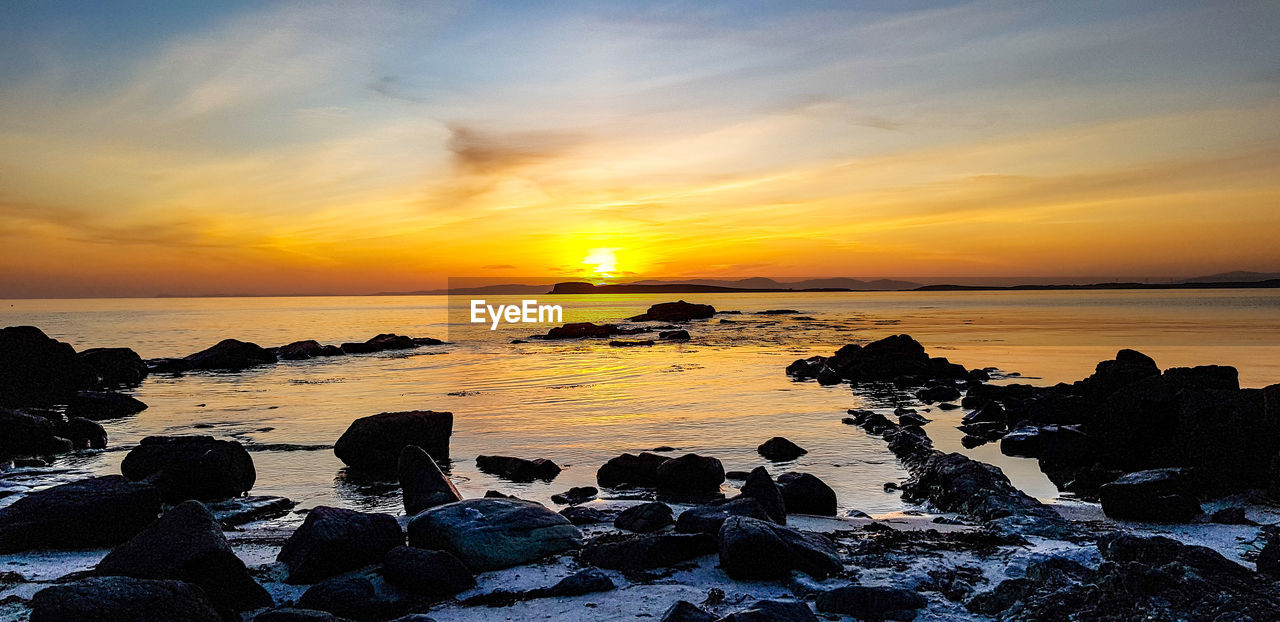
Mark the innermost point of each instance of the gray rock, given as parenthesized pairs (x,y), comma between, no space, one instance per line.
(489,534)
(335,540)
(582,582)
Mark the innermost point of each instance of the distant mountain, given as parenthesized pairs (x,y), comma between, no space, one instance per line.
(1235,277)
(762,283)
(513,289)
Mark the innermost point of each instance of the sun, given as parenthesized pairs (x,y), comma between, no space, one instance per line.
(604,260)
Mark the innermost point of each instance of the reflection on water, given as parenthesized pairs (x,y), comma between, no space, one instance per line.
(580,403)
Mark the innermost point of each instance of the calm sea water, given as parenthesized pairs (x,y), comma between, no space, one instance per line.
(580,403)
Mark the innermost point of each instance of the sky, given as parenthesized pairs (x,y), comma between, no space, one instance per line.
(333,147)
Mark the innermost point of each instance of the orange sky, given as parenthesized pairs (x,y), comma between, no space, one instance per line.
(306,148)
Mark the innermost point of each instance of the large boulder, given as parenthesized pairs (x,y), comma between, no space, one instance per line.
(1159,495)
(122,599)
(421,481)
(191,467)
(518,469)
(629,469)
(1128,367)
(762,488)
(780,449)
(84,433)
(953,482)
(804,493)
(489,534)
(99,405)
(186,544)
(360,595)
(678,311)
(690,475)
(709,518)
(752,549)
(644,518)
(99,511)
(29,435)
(685,611)
(429,573)
(303,350)
(773,611)
(36,369)
(872,602)
(374,443)
(114,366)
(335,540)
(230,355)
(645,552)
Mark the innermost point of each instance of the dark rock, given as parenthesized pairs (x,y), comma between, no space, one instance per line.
(752,549)
(29,435)
(736,475)
(374,443)
(1230,516)
(625,344)
(709,518)
(872,602)
(359,347)
(912,419)
(582,582)
(946,406)
(644,518)
(191,467)
(35,369)
(301,350)
(1060,444)
(421,481)
(94,512)
(359,595)
(1268,562)
(1128,367)
(429,573)
(84,433)
(685,611)
(114,366)
(629,469)
(490,534)
(518,469)
(690,474)
(804,493)
(779,449)
(645,552)
(679,311)
(1220,377)
(991,412)
(392,341)
(122,599)
(763,489)
(293,614)
(955,483)
(334,540)
(938,393)
(579,330)
(98,405)
(773,611)
(230,355)
(577,494)
(582,515)
(987,430)
(241,510)
(1159,495)
(674,335)
(186,544)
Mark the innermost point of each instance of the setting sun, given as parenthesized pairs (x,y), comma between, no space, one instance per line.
(604,260)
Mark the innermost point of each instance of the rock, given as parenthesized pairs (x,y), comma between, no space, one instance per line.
(114,366)
(645,552)
(1219,377)
(582,582)
(240,510)
(186,544)
(1060,444)
(579,330)
(93,512)
(773,611)
(1230,516)
(84,433)
(583,515)
(122,599)
(392,341)
(679,311)
(644,518)
(29,435)
(628,469)
(421,481)
(1158,495)
(490,534)
(938,393)
(991,412)
(803,493)
(779,449)
(577,494)
(674,335)
(38,370)
(1268,562)
(872,603)
(752,549)
(374,443)
(518,469)
(690,474)
(359,595)
(626,344)
(335,540)
(761,487)
(293,614)
(709,518)
(913,419)
(428,573)
(98,405)
(191,467)
(955,483)
(302,350)
(685,611)
(359,347)
(1128,367)
(230,355)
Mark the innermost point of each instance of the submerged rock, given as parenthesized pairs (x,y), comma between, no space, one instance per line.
(752,549)
(490,534)
(335,540)
(191,467)
(374,443)
(98,511)
(122,599)
(422,483)
(518,469)
(679,311)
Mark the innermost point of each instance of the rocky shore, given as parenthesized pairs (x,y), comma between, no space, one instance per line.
(669,537)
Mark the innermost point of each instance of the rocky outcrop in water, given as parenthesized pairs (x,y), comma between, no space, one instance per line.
(421,481)
(679,311)
(897,358)
(518,469)
(374,443)
(191,467)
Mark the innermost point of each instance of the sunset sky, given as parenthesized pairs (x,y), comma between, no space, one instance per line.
(150,148)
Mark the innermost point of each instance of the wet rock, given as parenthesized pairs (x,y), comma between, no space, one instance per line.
(645,552)
(1128,367)
(392,341)
(99,405)
(991,412)
(359,595)
(938,393)
(93,512)
(191,467)
(1060,444)
(1159,495)
(773,611)
(779,449)
(186,544)
(955,483)
(230,355)
(912,419)
(302,350)
(1230,516)
(644,518)
(335,540)
(374,443)
(674,335)
(114,366)
(587,581)
(579,330)
(241,510)
(629,469)
(679,311)
(685,611)
(872,603)
(518,469)
(428,573)
(709,518)
(582,515)
(84,433)
(122,599)
(752,549)
(293,614)
(577,494)
(803,493)
(626,344)
(35,369)
(421,481)
(763,489)
(490,534)
(29,435)
(690,474)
